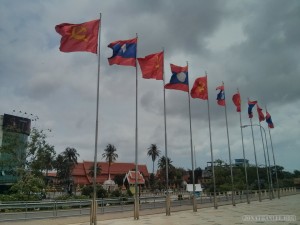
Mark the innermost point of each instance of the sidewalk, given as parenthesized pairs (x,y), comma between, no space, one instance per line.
(242,213)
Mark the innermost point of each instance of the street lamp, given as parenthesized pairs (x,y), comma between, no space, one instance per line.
(268,167)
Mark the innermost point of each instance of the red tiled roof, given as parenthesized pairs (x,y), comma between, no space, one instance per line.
(81,171)
(131,175)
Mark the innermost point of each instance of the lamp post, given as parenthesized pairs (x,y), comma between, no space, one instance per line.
(269,175)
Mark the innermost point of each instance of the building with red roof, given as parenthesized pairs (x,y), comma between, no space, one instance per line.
(81,172)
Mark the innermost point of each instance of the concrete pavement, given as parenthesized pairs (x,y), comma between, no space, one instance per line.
(285,210)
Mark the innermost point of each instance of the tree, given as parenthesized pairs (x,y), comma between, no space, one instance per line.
(153,152)
(28,185)
(162,167)
(197,174)
(65,163)
(98,170)
(41,155)
(22,155)
(110,156)
(119,178)
(162,163)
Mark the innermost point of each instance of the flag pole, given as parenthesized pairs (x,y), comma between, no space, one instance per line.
(211,154)
(229,152)
(275,167)
(245,165)
(136,190)
(262,140)
(192,155)
(195,157)
(269,164)
(168,201)
(93,217)
(257,173)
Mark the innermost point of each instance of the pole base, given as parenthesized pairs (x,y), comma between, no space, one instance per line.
(168,205)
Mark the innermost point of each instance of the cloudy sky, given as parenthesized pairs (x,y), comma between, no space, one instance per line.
(252,45)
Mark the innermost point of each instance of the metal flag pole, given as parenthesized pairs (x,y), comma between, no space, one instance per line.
(229,152)
(275,167)
(168,201)
(245,165)
(195,163)
(267,169)
(192,155)
(211,154)
(269,165)
(136,196)
(93,213)
(257,173)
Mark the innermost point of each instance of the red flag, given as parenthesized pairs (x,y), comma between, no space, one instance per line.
(221,95)
(79,37)
(261,116)
(152,66)
(199,89)
(236,98)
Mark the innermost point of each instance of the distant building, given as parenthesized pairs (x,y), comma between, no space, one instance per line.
(14,132)
(240,162)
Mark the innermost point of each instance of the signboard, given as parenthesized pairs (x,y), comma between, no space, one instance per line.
(16,124)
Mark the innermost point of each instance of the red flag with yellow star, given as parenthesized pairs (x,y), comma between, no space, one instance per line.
(79,37)
(152,66)
(199,89)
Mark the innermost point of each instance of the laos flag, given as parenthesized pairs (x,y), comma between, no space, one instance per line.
(179,79)
(124,52)
(251,104)
(269,120)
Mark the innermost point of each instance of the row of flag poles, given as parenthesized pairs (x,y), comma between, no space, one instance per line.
(86,37)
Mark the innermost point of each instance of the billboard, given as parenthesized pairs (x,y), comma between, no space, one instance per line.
(16,124)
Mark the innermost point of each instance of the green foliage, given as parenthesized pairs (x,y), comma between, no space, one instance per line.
(40,154)
(116,193)
(71,197)
(118,179)
(110,155)
(64,164)
(129,193)
(98,170)
(152,181)
(28,185)
(197,173)
(100,191)
(20,197)
(153,152)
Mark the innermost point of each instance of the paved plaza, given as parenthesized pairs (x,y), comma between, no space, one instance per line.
(285,210)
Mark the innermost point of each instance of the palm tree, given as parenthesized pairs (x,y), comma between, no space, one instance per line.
(162,163)
(110,156)
(65,163)
(154,152)
(98,170)
(70,155)
(162,166)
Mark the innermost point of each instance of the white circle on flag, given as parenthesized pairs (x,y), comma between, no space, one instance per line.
(181,76)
